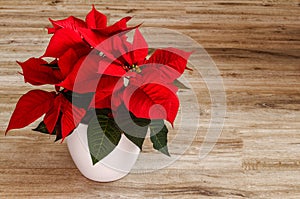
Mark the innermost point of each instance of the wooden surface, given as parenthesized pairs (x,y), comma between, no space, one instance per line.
(255,45)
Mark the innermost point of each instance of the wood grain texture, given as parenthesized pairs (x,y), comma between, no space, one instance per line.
(256,46)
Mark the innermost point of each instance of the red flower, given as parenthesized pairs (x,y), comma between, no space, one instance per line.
(90,57)
(71,68)
(36,103)
(78,34)
(59,112)
(30,107)
(150,92)
(70,116)
(37,71)
(74,68)
(72,53)
(94,36)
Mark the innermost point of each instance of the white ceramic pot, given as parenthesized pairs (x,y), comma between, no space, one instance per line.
(114,166)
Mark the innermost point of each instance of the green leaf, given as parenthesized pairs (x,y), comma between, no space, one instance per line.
(137,135)
(158,136)
(135,129)
(104,111)
(137,140)
(103,136)
(52,65)
(77,99)
(150,52)
(43,129)
(179,84)
(58,136)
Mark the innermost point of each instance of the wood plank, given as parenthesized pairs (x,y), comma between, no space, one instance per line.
(255,45)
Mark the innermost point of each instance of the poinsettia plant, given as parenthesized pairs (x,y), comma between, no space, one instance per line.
(102,79)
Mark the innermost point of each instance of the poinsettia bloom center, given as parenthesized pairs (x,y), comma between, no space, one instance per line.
(132,68)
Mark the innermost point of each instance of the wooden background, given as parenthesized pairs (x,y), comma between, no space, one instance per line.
(255,44)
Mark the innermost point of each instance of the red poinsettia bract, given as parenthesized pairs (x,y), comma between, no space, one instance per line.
(150,92)
(90,57)
(69,48)
(72,51)
(36,103)
(77,34)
